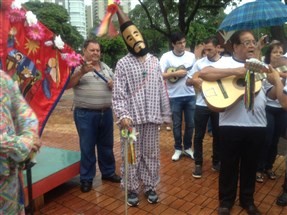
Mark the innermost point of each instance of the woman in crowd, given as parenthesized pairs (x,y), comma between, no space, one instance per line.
(276,119)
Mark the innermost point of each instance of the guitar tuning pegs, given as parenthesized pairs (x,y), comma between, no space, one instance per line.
(256,65)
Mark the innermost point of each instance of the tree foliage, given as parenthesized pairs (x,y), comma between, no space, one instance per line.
(198,19)
(56,18)
(166,16)
(112,49)
(149,15)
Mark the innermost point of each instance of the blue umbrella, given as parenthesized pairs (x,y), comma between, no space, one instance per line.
(257,14)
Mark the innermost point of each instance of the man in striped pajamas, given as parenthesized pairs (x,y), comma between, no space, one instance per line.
(140,101)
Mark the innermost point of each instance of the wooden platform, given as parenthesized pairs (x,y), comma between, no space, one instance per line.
(54,167)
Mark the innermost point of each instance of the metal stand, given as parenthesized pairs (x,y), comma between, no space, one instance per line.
(30,207)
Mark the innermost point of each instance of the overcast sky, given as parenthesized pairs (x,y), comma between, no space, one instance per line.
(135,2)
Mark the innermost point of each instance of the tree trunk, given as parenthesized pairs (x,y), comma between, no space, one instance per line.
(277,33)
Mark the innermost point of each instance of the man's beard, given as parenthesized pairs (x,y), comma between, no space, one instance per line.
(141,53)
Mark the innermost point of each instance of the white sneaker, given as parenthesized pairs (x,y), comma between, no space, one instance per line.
(168,128)
(189,153)
(176,155)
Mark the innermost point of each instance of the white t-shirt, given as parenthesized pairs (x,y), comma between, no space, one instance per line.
(199,65)
(272,103)
(179,88)
(237,115)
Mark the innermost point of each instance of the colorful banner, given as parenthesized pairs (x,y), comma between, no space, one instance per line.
(36,58)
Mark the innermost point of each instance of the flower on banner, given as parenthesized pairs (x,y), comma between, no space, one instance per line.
(59,42)
(35,57)
(16,5)
(31,18)
(73,59)
(16,15)
(35,32)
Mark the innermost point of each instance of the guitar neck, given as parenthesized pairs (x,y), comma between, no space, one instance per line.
(282,69)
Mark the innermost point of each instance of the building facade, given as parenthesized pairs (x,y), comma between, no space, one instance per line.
(86,17)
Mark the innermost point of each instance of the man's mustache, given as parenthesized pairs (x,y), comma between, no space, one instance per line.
(137,43)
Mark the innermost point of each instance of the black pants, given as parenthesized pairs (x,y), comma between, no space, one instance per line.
(276,120)
(201,116)
(239,150)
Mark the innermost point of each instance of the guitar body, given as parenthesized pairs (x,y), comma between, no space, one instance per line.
(173,69)
(173,79)
(225,92)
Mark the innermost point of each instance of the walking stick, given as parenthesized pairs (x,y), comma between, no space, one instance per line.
(129,157)
(126,175)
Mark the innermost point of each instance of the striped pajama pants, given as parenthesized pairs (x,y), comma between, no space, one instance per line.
(146,168)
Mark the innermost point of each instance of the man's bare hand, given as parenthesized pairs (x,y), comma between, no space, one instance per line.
(273,76)
(36,144)
(87,67)
(197,82)
(181,73)
(126,123)
(110,84)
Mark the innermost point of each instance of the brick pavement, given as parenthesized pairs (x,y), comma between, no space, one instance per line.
(178,191)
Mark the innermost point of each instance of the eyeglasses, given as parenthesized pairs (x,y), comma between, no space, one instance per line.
(247,43)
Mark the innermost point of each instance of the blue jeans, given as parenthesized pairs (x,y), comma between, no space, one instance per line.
(182,106)
(95,129)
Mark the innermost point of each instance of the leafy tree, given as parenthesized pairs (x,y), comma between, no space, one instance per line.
(112,49)
(56,18)
(196,18)
(165,16)
(149,15)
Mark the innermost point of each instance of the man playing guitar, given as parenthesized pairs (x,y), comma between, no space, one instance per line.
(182,97)
(202,112)
(241,131)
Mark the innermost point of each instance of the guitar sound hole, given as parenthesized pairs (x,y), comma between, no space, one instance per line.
(240,82)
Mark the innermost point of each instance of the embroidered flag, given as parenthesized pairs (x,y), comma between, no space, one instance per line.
(36,58)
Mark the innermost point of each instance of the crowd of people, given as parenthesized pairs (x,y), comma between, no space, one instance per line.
(145,92)
(242,131)
(242,149)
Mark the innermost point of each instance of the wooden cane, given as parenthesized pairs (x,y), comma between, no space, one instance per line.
(126,174)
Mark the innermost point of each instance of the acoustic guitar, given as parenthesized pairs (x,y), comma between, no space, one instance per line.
(227,91)
(174,69)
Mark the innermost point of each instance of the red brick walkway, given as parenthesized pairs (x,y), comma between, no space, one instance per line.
(178,191)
